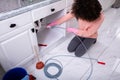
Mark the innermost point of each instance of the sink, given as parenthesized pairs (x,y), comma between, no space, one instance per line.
(8,5)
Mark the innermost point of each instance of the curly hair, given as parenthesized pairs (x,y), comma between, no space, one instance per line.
(88,10)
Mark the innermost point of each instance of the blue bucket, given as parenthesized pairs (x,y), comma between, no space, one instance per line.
(15,74)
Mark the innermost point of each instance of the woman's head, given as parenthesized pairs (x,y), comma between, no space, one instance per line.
(88,10)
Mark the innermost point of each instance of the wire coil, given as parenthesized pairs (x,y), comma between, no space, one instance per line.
(49,75)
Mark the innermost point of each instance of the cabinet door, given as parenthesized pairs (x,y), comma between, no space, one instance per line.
(18,49)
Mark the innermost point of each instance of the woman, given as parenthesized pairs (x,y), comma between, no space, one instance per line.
(89,16)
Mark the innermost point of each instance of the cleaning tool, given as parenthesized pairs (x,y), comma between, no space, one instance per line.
(39,64)
(60,68)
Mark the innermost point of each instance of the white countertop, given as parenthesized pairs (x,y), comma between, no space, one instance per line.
(6,15)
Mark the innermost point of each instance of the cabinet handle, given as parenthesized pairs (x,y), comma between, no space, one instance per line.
(33,30)
(12,25)
(53,9)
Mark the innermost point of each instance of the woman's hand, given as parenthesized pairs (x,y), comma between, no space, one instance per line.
(72,30)
(51,25)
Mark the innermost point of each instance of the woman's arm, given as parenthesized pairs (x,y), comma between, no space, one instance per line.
(61,20)
(87,31)
(65,18)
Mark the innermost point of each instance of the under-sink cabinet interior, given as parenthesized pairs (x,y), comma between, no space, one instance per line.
(50,36)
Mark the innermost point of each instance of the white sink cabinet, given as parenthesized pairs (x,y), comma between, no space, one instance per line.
(17,41)
(18,38)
